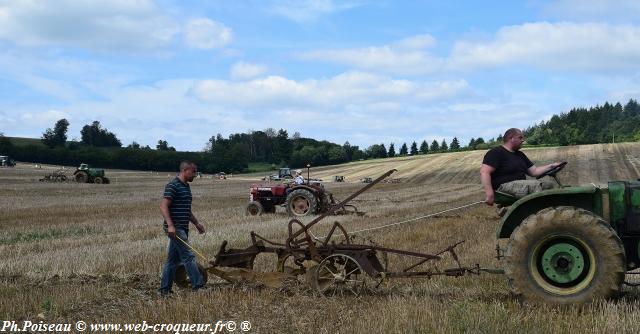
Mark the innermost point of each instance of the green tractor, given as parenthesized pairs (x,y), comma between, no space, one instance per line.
(570,244)
(85,174)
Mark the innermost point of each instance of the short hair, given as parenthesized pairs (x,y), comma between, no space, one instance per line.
(186,164)
(510,134)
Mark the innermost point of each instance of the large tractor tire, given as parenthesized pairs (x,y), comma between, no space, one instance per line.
(182,279)
(564,255)
(301,202)
(82,177)
(254,208)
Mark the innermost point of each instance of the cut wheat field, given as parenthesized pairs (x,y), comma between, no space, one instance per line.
(94,252)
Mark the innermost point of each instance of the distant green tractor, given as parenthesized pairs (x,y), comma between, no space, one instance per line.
(571,244)
(85,174)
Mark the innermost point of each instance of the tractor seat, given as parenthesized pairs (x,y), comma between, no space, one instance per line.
(504,199)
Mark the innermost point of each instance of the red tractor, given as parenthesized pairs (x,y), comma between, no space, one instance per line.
(300,200)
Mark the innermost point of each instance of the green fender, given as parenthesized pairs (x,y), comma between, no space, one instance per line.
(587,197)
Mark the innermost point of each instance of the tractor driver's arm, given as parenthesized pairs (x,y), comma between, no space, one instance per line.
(485,178)
(195,222)
(164,209)
(537,171)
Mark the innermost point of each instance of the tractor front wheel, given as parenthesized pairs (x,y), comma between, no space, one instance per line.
(97,180)
(301,202)
(565,255)
(254,208)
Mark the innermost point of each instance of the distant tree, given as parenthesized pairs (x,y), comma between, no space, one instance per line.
(350,151)
(376,151)
(134,145)
(392,151)
(282,147)
(95,135)
(472,144)
(271,132)
(164,146)
(414,148)
(455,145)
(499,139)
(444,146)
(383,151)
(424,147)
(296,135)
(403,149)
(56,136)
(435,147)
(6,146)
(336,155)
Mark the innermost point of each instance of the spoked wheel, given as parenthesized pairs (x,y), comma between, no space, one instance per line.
(339,275)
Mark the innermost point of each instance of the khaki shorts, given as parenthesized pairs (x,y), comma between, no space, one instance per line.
(521,188)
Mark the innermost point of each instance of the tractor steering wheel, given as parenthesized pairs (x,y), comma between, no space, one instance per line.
(553,171)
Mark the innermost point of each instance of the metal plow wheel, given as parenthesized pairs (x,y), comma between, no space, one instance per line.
(339,275)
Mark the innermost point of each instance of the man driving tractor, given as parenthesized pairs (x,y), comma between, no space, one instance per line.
(504,169)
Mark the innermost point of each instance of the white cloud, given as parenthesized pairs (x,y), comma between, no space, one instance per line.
(344,89)
(416,42)
(112,25)
(303,11)
(203,33)
(45,119)
(242,70)
(119,25)
(405,57)
(561,46)
(594,9)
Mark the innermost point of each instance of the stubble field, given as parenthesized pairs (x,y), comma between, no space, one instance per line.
(95,252)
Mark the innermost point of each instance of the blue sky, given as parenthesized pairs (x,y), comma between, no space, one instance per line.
(360,71)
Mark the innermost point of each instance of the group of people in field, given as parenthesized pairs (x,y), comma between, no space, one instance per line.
(504,169)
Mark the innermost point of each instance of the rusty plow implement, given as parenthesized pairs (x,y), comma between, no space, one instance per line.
(332,264)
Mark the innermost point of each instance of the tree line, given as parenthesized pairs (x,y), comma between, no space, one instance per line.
(101,147)
(600,124)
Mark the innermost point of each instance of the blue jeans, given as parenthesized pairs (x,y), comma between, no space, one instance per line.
(179,254)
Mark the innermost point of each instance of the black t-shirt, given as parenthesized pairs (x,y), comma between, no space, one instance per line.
(510,166)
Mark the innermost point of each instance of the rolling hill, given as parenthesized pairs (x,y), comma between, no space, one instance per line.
(597,163)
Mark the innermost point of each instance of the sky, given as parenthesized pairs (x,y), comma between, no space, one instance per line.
(366,72)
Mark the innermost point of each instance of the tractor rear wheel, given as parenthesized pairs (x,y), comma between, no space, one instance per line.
(97,180)
(564,255)
(301,202)
(254,208)
(82,177)
(182,279)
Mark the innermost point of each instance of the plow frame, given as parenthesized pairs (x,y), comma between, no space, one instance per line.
(310,252)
